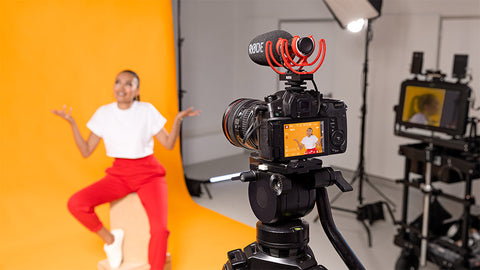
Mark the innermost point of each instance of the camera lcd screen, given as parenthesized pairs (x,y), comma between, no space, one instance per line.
(438,106)
(305,138)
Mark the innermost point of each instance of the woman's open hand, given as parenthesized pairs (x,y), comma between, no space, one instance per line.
(187,113)
(64,114)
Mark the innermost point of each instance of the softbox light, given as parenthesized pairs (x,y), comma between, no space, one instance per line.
(351,13)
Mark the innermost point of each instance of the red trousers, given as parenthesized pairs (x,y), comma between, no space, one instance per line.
(144,176)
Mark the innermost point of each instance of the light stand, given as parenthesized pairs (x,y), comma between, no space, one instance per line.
(372,212)
(360,172)
(192,184)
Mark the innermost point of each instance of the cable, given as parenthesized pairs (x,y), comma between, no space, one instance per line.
(319,96)
(315,85)
(252,128)
(473,99)
(473,128)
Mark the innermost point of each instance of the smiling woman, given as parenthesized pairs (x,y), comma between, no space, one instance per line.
(127,128)
(72,44)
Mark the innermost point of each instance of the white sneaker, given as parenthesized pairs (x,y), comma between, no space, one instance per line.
(114,250)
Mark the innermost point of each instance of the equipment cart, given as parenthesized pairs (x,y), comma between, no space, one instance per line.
(448,161)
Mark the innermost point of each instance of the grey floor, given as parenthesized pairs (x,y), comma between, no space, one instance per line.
(230,198)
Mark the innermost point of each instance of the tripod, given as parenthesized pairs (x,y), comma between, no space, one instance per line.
(365,211)
(280,196)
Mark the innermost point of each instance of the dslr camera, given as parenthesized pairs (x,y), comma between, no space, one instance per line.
(294,123)
(286,130)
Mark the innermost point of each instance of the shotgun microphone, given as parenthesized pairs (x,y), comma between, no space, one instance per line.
(258,50)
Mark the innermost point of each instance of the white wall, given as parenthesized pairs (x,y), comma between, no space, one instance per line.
(217,69)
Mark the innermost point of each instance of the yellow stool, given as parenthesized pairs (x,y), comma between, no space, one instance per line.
(128,214)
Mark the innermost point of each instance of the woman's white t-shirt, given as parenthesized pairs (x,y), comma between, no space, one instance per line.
(419,118)
(127,133)
(310,142)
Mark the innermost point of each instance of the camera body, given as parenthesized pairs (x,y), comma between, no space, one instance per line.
(327,114)
(290,124)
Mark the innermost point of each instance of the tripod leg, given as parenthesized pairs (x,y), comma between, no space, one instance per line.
(369,236)
(207,189)
(381,193)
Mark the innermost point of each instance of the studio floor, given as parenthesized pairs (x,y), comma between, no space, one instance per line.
(230,198)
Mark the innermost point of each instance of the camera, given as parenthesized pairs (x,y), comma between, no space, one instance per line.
(289,124)
(286,130)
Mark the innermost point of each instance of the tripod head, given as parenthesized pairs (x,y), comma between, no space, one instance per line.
(284,191)
(280,195)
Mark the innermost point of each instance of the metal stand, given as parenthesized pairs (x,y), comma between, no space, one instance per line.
(360,174)
(205,186)
(421,245)
(181,92)
(427,190)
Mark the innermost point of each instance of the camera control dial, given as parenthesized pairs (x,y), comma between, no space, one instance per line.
(338,138)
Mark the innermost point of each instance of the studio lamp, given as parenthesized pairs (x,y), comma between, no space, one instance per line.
(354,15)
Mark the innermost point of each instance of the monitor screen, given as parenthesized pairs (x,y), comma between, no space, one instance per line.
(437,106)
(305,138)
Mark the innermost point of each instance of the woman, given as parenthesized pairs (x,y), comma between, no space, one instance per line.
(127,128)
(428,106)
(310,142)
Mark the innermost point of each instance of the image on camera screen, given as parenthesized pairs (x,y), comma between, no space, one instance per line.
(431,107)
(303,138)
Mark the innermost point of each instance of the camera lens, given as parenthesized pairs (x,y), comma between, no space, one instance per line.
(239,121)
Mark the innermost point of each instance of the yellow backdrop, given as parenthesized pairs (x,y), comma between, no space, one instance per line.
(68,52)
